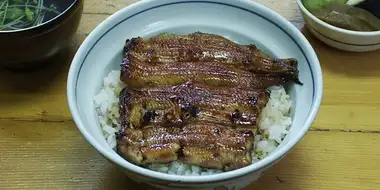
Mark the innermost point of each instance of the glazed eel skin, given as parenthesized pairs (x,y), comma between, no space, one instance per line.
(209,127)
(203,58)
(195,98)
(167,106)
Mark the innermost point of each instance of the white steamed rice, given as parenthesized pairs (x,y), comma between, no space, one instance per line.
(273,125)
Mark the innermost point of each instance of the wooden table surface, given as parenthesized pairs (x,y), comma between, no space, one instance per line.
(41,148)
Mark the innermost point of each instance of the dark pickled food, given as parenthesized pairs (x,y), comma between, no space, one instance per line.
(373,6)
(318,4)
(348,17)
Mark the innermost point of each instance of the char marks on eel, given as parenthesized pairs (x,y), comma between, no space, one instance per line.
(195,98)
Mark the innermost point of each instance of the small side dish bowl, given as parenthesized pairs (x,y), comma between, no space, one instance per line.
(28,48)
(339,38)
(243,21)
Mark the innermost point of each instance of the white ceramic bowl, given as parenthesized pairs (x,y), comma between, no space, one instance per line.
(339,38)
(243,21)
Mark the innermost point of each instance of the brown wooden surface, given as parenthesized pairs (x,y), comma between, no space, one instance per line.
(40,147)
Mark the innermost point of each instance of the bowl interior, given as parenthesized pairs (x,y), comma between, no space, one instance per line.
(102,52)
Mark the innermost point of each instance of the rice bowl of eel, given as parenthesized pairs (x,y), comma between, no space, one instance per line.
(196,104)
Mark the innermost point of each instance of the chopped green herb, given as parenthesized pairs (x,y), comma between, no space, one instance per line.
(29,14)
(19,14)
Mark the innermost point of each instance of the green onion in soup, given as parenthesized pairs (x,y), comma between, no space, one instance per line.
(22,14)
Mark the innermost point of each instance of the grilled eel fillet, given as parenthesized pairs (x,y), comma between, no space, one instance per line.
(204,144)
(194,98)
(204,58)
(207,126)
(173,106)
